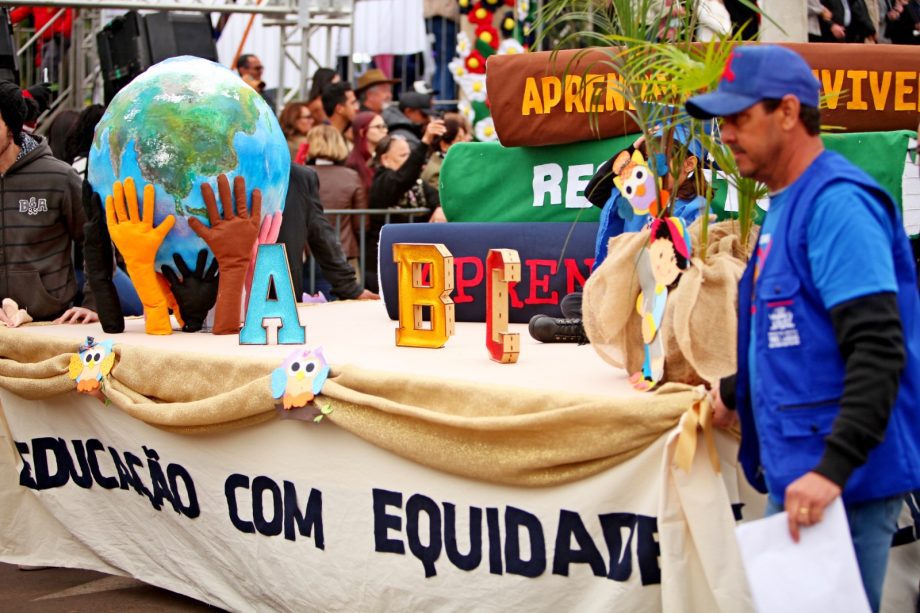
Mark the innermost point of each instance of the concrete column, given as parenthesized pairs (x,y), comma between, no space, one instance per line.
(790,15)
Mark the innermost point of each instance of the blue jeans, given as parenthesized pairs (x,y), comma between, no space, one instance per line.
(127,295)
(872,524)
(445,43)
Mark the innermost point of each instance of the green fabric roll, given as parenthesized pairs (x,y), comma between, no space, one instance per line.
(486,182)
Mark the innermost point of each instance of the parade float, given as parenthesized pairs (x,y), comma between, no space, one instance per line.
(392,456)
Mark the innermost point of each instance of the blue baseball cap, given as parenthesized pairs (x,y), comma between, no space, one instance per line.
(754,73)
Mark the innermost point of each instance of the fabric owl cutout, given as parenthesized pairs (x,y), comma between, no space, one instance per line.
(637,184)
(93,362)
(300,378)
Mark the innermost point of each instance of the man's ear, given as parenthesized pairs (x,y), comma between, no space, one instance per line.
(789,107)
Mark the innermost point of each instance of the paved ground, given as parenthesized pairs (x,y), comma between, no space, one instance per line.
(65,590)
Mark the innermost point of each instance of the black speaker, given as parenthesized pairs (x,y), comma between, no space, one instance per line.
(9,61)
(173,34)
(123,52)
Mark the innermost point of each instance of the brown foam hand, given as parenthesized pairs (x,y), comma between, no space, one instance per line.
(231,239)
(138,242)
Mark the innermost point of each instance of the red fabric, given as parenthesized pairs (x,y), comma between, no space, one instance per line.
(359,157)
(41,16)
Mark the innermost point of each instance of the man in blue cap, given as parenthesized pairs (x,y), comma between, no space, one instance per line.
(828,381)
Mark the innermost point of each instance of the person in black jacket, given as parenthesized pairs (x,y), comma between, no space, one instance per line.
(849,23)
(398,184)
(303,222)
(41,217)
(744,19)
(902,21)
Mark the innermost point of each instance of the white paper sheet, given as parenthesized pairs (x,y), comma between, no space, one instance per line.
(819,573)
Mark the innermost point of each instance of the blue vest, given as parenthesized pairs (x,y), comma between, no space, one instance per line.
(800,373)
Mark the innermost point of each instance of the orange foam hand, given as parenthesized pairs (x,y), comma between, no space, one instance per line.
(231,239)
(138,241)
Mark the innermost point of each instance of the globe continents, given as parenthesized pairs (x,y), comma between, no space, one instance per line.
(182,123)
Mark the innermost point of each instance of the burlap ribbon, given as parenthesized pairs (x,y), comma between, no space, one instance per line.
(698,418)
(499,434)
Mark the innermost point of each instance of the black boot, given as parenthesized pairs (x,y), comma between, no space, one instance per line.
(548,329)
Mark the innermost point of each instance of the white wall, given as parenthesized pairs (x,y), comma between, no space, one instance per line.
(790,15)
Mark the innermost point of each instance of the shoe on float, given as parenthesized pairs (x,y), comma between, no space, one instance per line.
(548,329)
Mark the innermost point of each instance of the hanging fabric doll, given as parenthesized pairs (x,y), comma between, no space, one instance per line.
(659,267)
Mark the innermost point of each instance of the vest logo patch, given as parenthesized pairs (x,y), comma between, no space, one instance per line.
(782,332)
(33,206)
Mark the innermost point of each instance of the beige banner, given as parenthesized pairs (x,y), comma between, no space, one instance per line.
(375,532)
(212,495)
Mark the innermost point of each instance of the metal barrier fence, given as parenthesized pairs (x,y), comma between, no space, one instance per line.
(363,216)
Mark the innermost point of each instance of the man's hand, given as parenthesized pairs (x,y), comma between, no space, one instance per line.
(368,295)
(722,416)
(77,315)
(838,31)
(806,499)
(438,216)
(434,129)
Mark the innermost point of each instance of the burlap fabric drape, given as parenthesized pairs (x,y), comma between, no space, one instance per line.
(700,322)
(491,433)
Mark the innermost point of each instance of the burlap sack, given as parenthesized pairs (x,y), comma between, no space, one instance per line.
(700,321)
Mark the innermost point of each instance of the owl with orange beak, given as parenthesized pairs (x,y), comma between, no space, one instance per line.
(93,362)
(300,378)
(637,184)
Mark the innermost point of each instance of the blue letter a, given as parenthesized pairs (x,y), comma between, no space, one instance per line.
(272,270)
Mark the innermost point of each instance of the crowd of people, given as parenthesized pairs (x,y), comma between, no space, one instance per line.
(373,153)
(351,149)
(864,21)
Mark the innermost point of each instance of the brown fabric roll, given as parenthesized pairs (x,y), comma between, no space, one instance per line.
(537,100)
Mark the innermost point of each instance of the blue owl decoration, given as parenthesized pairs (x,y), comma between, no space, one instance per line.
(300,378)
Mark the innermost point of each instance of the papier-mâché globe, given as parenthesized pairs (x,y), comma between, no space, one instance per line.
(182,123)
